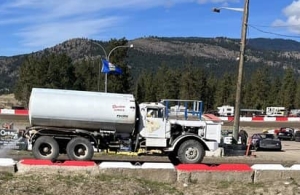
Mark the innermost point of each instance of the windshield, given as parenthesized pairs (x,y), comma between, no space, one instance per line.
(271,136)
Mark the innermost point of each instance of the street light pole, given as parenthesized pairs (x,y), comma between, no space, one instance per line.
(236,123)
(121,46)
(100,64)
(218,9)
(107,58)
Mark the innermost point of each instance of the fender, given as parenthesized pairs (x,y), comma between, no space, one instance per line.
(187,136)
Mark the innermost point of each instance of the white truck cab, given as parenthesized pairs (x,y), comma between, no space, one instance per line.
(182,133)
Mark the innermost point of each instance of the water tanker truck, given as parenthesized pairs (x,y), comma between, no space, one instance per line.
(79,123)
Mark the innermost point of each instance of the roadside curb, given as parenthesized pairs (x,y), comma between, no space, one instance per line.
(8,165)
(160,172)
(64,163)
(34,165)
(157,172)
(267,172)
(205,173)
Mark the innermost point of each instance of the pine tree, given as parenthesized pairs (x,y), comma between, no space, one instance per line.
(119,83)
(225,91)
(166,81)
(260,86)
(49,71)
(288,89)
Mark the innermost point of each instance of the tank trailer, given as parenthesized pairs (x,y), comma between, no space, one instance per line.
(79,123)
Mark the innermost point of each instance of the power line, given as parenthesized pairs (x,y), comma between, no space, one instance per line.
(274,26)
(273,33)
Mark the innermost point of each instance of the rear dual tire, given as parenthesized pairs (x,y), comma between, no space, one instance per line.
(45,148)
(80,148)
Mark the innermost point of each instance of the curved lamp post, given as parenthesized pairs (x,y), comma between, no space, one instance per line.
(218,9)
(107,58)
(245,11)
(121,46)
(100,63)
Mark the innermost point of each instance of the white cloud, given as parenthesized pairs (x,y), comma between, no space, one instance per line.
(292,14)
(225,2)
(43,23)
(52,33)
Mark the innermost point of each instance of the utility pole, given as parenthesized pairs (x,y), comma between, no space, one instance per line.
(236,124)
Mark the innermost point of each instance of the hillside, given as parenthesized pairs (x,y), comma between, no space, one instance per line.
(8,101)
(218,55)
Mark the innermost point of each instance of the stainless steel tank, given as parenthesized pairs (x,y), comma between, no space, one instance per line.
(82,110)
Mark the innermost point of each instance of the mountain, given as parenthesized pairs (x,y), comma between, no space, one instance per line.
(218,55)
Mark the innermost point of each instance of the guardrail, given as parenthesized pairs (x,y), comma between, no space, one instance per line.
(14,112)
(263,119)
(229,118)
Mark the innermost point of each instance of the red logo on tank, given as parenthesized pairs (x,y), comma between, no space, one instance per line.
(118,107)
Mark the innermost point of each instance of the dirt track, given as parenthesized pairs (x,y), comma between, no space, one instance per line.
(23,121)
(45,183)
(289,155)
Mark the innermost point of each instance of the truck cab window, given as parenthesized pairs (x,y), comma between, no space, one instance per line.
(154,113)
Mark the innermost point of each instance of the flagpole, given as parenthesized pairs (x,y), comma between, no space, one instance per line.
(107,58)
(100,62)
(99,75)
(105,83)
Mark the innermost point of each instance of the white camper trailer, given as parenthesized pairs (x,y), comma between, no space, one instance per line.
(226,110)
(276,111)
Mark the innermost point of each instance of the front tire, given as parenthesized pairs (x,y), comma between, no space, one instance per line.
(191,152)
(80,148)
(45,148)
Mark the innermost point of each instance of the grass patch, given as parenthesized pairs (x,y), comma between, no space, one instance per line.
(5,176)
(152,186)
(104,177)
(223,184)
(158,186)
(71,180)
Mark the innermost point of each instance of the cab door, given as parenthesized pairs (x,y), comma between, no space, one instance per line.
(155,123)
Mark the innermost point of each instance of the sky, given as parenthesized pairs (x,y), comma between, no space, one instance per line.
(31,25)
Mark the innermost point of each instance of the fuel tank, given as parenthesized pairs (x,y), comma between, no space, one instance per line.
(82,110)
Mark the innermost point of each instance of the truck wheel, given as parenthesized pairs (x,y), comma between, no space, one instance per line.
(191,152)
(45,147)
(80,148)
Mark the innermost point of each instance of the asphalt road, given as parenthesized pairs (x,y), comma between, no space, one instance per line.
(12,118)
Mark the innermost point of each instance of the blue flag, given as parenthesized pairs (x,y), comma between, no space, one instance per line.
(108,67)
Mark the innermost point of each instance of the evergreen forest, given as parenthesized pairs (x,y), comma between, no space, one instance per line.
(263,86)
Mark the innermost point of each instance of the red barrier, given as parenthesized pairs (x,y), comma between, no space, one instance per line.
(21,112)
(262,119)
(230,118)
(50,163)
(258,118)
(281,119)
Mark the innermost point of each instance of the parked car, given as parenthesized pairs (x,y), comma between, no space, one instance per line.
(285,133)
(265,141)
